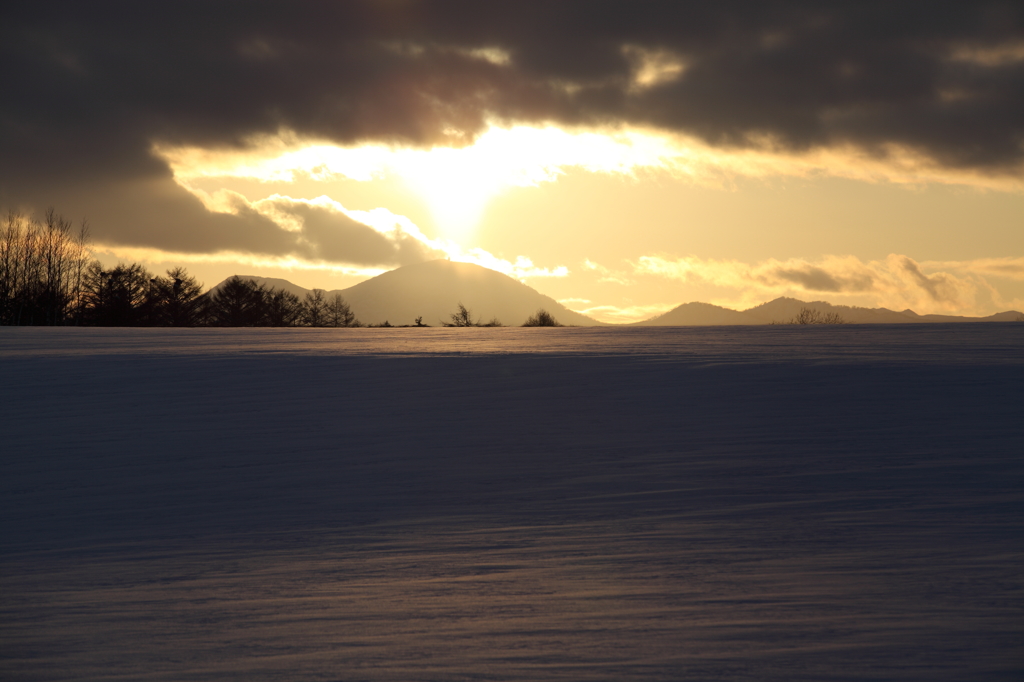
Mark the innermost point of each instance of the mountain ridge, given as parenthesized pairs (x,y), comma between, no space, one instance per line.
(432,290)
(784,309)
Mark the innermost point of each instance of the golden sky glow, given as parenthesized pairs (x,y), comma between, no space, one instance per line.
(454,198)
(458,182)
(621,160)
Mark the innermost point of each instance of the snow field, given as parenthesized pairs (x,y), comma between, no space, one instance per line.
(512,504)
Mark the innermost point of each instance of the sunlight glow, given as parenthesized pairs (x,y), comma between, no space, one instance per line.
(521,269)
(281,209)
(152,255)
(458,182)
(620,315)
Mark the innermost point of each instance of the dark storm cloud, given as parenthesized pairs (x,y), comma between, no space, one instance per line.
(88,87)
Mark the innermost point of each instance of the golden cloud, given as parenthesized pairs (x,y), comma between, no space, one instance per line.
(336,239)
(458,181)
(897,282)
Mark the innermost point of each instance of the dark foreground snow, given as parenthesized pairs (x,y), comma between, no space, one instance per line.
(726,503)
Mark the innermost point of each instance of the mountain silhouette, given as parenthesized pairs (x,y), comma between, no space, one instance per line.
(697,314)
(785,309)
(434,289)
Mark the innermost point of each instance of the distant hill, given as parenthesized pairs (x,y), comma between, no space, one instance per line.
(697,314)
(272,283)
(434,289)
(1008,316)
(785,309)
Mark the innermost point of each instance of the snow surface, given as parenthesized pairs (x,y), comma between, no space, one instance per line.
(792,503)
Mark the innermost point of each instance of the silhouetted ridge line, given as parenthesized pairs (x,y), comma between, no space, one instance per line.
(783,310)
(434,289)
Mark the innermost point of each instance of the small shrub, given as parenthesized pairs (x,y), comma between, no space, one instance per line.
(812,316)
(464,318)
(542,318)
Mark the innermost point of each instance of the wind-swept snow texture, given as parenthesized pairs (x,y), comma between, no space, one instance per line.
(785,503)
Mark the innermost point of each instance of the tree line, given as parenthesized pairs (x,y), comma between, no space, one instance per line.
(43,266)
(48,277)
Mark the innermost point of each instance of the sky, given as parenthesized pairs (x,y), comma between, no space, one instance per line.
(621,157)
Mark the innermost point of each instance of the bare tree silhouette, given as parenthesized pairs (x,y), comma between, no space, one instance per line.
(812,316)
(464,318)
(41,269)
(461,318)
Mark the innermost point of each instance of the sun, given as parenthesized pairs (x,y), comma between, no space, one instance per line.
(458,183)
(455,185)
